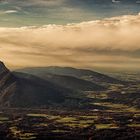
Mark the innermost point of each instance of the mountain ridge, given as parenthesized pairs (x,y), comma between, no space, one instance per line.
(16,88)
(50,87)
(84,74)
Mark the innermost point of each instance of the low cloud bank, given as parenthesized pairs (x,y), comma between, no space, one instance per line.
(112,42)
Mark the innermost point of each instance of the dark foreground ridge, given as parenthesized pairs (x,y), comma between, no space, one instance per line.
(52,91)
(43,90)
(66,87)
(16,88)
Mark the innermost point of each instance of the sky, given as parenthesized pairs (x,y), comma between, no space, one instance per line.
(40,12)
(99,34)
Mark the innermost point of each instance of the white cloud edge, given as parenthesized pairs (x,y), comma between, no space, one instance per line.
(8,12)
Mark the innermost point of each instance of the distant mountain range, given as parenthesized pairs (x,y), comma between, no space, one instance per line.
(49,87)
(69,72)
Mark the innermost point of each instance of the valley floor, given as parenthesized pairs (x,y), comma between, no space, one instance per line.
(21,124)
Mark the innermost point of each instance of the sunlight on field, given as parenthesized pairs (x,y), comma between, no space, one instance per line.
(19,134)
(133,109)
(41,125)
(37,115)
(105,126)
(4,118)
(89,117)
(134,125)
(60,131)
(112,105)
(67,119)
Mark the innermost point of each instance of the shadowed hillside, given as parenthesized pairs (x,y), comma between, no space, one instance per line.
(23,90)
(72,82)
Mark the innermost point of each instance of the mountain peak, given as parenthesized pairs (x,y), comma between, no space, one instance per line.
(1,63)
(2,67)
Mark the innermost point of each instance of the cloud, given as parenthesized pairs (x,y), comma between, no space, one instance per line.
(111,42)
(8,12)
(115,1)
